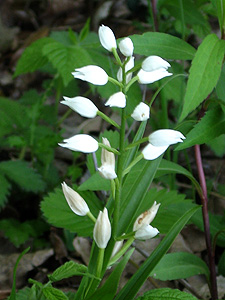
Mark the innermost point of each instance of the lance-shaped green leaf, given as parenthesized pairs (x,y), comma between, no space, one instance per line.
(134,284)
(179,265)
(108,290)
(53,294)
(134,190)
(162,44)
(204,73)
(209,127)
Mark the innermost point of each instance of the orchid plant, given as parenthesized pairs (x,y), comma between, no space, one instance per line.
(111,237)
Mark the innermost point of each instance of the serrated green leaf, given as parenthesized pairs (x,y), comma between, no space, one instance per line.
(166,294)
(4,190)
(179,265)
(24,176)
(32,58)
(67,270)
(66,58)
(162,44)
(54,294)
(134,284)
(207,61)
(209,127)
(58,213)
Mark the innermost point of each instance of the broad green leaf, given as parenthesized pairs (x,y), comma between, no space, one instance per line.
(4,190)
(24,176)
(220,6)
(207,61)
(66,58)
(179,265)
(32,58)
(108,290)
(162,44)
(134,284)
(13,292)
(218,145)
(53,294)
(67,270)
(166,294)
(167,167)
(220,88)
(134,190)
(209,127)
(190,12)
(58,213)
(95,183)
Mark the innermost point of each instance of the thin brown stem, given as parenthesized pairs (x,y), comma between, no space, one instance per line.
(204,199)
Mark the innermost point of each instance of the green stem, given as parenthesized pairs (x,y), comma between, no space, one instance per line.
(100,262)
(132,81)
(117,57)
(133,163)
(107,119)
(143,140)
(90,216)
(110,149)
(22,153)
(121,252)
(114,81)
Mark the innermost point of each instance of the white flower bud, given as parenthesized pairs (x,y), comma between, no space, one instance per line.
(153,63)
(150,77)
(107,38)
(165,137)
(126,47)
(116,100)
(81,142)
(75,201)
(82,106)
(141,112)
(107,169)
(159,141)
(146,232)
(143,230)
(129,65)
(102,229)
(92,74)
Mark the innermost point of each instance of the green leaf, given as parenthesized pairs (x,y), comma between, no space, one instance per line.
(4,190)
(108,290)
(54,294)
(134,284)
(134,190)
(220,88)
(207,61)
(221,265)
(95,183)
(179,265)
(166,167)
(162,44)
(24,176)
(66,58)
(32,58)
(67,270)
(58,213)
(209,127)
(218,145)
(166,294)
(13,292)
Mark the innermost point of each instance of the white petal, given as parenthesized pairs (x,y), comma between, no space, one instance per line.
(92,74)
(82,106)
(107,172)
(166,137)
(126,47)
(117,100)
(141,112)
(128,66)
(146,232)
(82,143)
(150,77)
(151,152)
(153,63)
(107,37)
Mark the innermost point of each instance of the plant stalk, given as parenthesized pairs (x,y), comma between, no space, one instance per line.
(204,200)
